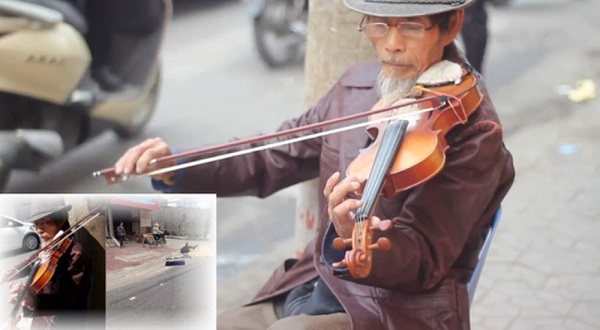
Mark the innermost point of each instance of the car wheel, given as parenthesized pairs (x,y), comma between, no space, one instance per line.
(31,242)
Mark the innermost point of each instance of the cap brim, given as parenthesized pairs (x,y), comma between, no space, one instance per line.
(387,9)
(44,213)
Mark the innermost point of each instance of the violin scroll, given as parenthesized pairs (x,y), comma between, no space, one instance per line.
(359,259)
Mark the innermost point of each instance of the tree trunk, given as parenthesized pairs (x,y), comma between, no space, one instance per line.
(333,45)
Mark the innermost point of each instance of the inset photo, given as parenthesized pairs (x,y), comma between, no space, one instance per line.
(161,262)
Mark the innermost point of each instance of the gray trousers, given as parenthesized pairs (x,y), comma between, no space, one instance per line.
(264,317)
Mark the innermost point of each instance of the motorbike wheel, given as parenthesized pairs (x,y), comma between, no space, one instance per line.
(279,33)
(145,114)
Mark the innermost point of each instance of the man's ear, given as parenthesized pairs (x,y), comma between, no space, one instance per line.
(456,22)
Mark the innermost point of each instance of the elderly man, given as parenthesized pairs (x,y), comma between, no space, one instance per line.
(437,226)
(62,301)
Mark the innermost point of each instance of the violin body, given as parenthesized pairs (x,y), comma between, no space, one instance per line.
(47,268)
(422,156)
(423,151)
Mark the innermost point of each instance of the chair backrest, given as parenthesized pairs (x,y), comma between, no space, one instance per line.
(472,284)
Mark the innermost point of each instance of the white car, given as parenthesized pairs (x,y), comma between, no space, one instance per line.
(16,234)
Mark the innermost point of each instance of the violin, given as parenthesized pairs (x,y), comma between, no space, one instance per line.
(400,159)
(46,269)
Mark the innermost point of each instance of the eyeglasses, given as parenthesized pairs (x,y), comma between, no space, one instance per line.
(380,29)
(41,223)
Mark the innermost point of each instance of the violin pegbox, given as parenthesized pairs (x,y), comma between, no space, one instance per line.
(359,261)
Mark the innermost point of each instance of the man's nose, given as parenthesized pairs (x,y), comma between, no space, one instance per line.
(395,41)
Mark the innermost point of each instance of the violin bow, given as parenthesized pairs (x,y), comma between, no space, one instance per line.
(111,177)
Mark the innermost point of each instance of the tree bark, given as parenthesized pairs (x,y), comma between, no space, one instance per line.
(333,45)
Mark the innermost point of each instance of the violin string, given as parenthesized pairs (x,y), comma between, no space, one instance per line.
(388,148)
(462,118)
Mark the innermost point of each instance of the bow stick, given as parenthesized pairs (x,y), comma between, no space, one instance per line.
(438,101)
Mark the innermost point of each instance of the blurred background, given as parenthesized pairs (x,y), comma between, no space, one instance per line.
(542,271)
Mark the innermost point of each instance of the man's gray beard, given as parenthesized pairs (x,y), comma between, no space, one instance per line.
(391,90)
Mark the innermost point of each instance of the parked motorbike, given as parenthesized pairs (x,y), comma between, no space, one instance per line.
(154,240)
(280,28)
(53,96)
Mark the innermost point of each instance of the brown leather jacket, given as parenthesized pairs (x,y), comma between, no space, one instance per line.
(438,225)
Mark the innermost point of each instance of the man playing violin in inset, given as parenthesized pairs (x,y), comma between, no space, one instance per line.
(437,225)
(61,286)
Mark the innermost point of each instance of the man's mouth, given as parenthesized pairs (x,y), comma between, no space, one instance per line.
(397,65)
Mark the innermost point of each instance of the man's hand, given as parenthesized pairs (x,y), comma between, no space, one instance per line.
(339,207)
(8,274)
(136,160)
(14,289)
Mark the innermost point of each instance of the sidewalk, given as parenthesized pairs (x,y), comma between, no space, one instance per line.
(543,271)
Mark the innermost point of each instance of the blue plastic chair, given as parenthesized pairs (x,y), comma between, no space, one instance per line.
(472,284)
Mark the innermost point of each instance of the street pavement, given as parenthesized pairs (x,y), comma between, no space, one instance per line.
(144,293)
(136,262)
(543,269)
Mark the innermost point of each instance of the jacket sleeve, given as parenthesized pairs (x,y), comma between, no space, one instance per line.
(433,221)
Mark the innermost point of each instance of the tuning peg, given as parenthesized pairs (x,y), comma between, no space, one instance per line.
(341,243)
(382,244)
(382,225)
